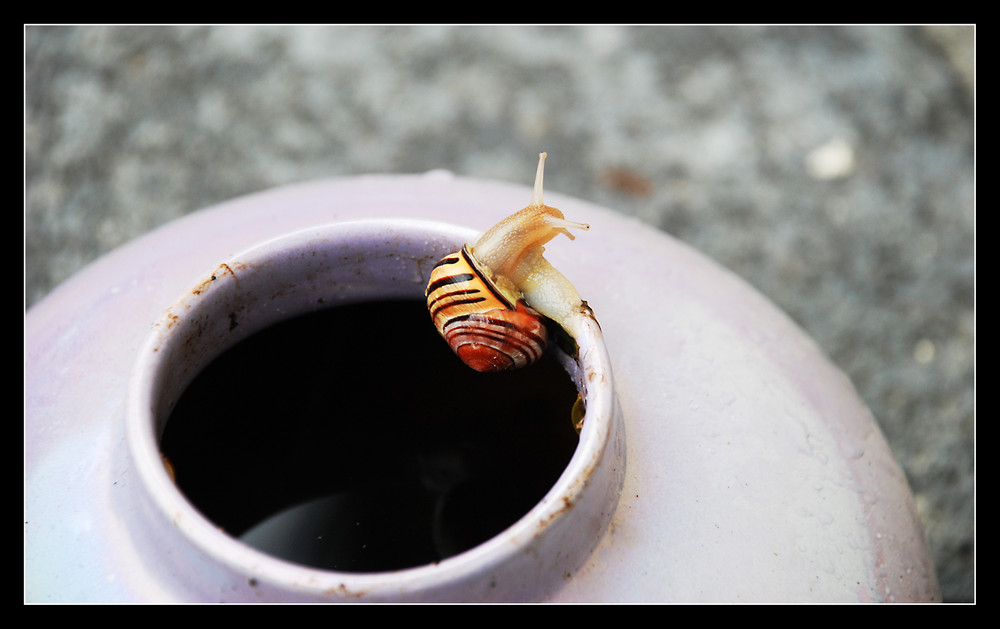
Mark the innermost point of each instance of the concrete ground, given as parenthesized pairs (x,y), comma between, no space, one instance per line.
(831,167)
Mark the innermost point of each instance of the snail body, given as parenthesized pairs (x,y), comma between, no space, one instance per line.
(491,299)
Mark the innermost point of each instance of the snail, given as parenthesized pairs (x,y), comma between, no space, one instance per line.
(492,300)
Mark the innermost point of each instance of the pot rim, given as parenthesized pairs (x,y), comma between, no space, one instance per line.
(591,374)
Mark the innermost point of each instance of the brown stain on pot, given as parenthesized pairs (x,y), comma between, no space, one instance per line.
(222,270)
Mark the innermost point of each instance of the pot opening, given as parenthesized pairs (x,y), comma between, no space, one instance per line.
(327,445)
(352,439)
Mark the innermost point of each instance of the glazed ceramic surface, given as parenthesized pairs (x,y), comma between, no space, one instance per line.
(318,268)
(754,473)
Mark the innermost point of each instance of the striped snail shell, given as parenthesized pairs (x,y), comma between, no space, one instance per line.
(488,330)
(490,300)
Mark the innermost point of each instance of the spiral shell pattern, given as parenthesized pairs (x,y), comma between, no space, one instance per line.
(488,330)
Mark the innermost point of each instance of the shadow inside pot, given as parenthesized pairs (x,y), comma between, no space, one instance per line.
(352,439)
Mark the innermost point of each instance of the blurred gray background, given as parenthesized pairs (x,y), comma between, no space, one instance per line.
(831,167)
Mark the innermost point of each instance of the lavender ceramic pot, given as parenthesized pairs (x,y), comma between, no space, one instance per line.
(722,459)
(329,267)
